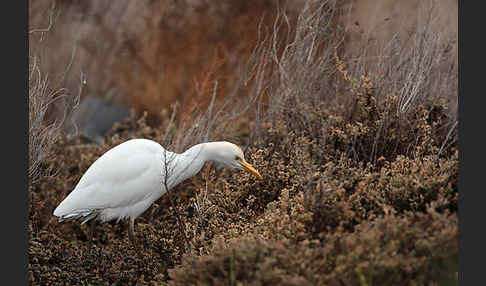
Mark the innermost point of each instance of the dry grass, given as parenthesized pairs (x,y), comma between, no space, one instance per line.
(360,167)
(48,110)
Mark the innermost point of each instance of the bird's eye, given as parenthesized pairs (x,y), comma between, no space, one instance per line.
(237,158)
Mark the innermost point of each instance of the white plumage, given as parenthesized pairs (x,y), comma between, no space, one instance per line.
(127,179)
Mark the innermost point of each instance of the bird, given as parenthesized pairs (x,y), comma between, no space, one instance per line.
(128,178)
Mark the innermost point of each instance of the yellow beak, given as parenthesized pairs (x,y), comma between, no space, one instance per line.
(250,168)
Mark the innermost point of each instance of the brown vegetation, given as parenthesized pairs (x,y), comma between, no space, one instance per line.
(359,159)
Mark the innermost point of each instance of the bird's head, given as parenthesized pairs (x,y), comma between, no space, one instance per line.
(231,156)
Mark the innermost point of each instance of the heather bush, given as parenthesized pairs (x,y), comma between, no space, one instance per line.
(387,251)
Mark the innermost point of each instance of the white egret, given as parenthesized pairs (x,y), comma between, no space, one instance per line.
(127,179)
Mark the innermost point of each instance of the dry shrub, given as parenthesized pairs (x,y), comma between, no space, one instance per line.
(41,135)
(320,90)
(50,105)
(390,250)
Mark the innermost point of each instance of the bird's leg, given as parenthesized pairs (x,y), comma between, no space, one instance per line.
(91,233)
(131,237)
(131,233)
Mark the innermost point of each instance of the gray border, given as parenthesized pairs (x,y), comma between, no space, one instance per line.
(15,89)
(471,267)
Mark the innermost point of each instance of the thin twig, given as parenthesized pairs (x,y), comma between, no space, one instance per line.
(447,137)
(169,193)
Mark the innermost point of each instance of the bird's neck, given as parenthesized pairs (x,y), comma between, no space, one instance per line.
(185,165)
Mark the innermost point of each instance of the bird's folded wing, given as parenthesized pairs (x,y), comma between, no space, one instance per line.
(115,182)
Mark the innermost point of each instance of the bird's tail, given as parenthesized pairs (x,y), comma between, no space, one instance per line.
(66,215)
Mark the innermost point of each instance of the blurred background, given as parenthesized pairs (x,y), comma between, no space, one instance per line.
(148,55)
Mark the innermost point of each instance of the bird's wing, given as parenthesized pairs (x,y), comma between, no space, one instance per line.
(116,179)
